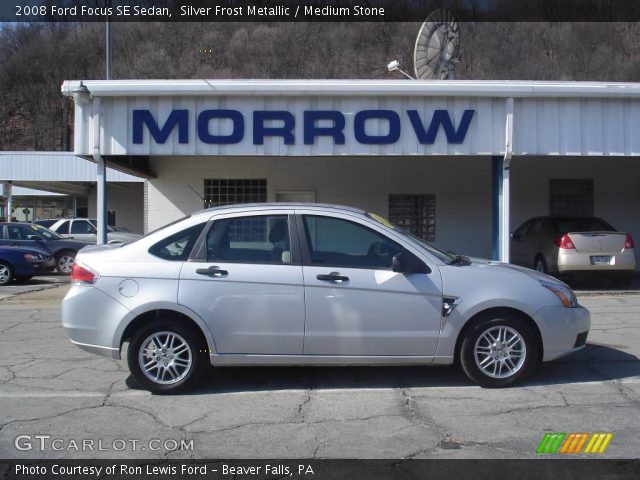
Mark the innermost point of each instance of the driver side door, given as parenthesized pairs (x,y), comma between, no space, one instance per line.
(356,305)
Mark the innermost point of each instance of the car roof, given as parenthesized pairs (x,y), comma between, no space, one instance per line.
(279,206)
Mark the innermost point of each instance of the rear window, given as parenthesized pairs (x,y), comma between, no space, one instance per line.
(178,246)
(586,224)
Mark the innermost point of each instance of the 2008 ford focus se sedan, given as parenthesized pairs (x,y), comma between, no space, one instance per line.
(305,284)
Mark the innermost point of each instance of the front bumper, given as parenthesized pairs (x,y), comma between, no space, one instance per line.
(562,329)
(91,318)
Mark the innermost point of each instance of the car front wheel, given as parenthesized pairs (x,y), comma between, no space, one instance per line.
(499,351)
(166,358)
(64,262)
(6,274)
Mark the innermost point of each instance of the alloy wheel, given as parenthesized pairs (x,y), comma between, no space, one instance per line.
(65,264)
(165,357)
(500,352)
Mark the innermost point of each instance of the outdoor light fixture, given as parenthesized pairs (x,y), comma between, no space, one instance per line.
(395,66)
(81,95)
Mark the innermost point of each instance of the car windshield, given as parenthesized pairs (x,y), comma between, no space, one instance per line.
(431,248)
(578,224)
(45,232)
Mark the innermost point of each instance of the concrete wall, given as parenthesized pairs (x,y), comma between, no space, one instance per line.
(127,200)
(462,186)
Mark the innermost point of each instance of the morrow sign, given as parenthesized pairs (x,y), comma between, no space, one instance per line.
(369,127)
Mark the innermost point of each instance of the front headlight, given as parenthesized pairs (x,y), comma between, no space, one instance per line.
(565,294)
(31,258)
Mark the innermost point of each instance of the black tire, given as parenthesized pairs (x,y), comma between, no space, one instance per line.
(24,279)
(623,280)
(479,328)
(186,380)
(540,264)
(6,274)
(62,261)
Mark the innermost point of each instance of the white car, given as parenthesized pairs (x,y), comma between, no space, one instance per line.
(86,229)
(304,284)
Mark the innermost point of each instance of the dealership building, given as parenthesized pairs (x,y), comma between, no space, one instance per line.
(460,163)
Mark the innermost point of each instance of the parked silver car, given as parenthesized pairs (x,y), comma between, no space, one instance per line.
(575,245)
(86,229)
(305,284)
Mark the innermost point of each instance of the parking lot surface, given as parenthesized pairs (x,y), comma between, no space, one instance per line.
(54,397)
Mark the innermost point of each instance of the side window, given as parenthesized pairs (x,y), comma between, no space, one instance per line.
(63,229)
(16,232)
(256,239)
(522,229)
(81,227)
(536,227)
(178,246)
(337,242)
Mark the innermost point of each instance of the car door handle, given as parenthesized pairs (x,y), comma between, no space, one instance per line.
(332,277)
(212,272)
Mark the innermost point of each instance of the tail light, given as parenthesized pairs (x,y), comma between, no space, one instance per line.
(81,275)
(628,242)
(564,242)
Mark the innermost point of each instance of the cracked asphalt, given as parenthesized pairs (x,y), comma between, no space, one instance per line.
(50,387)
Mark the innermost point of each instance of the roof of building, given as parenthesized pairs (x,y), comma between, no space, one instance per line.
(30,166)
(485,88)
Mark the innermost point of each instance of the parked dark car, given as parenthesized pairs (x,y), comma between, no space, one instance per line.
(20,264)
(30,235)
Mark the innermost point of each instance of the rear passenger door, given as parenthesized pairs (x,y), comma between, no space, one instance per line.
(245,281)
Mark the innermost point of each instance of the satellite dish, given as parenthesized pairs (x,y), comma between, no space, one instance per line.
(437,46)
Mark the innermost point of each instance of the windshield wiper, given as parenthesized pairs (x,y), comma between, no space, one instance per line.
(460,260)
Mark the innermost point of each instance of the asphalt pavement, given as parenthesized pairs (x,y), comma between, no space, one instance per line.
(57,401)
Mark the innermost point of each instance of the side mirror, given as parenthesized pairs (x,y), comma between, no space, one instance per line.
(407,263)
(93,230)
(34,237)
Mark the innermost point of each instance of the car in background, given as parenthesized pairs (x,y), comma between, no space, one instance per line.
(310,284)
(21,264)
(46,222)
(30,235)
(575,246)
(86,229)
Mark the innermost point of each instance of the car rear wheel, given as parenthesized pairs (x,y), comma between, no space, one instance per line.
(6,274)
(540,265)
(499,351)
(166,358)
(64,262)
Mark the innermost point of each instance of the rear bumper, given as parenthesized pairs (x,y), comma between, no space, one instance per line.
(91,318)
(563,330)
(581,262)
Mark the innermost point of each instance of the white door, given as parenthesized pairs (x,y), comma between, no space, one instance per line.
(249,289)
(355,304)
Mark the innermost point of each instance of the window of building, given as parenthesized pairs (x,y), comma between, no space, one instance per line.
(570,197)
(111,218)
(221,191)
(414,213)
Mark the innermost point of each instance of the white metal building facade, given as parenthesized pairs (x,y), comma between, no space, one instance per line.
(477,158)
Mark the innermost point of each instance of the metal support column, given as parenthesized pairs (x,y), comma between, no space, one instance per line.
(496,196)
(8,192)
(101,204)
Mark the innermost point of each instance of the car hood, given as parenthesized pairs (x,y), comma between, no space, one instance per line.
(71,243)
(24,250)
(494,265)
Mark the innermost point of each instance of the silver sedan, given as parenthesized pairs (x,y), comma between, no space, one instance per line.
(304,284)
